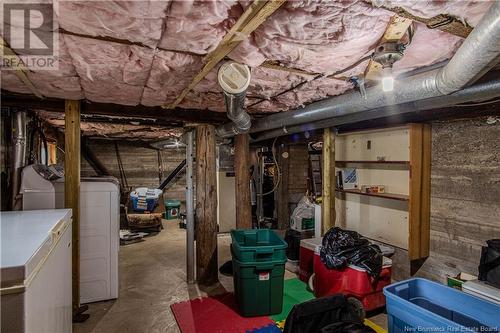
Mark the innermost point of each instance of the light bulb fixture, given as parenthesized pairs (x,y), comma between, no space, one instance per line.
(387,80)
(386,54)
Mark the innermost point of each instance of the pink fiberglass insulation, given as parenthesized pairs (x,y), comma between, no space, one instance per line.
(135,21)
(198,26)
(110,72)
(317,36)
(443,46)
(171,72)
(321,36)
(470,11)
(9,80)
(110,130)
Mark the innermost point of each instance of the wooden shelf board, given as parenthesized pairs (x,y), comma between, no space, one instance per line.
(393,196)
(374,162)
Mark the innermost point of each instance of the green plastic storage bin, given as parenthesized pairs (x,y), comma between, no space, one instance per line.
(258,287)
(256,245)
(172,208)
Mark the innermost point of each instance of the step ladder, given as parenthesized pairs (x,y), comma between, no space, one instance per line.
(315,173)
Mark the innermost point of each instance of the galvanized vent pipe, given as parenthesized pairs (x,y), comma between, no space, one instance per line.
(234,79)
(478,92)
(478,54)
(19,158)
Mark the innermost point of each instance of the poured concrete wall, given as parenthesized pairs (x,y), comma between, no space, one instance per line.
(465,194)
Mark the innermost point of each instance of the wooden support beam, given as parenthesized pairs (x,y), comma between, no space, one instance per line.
(242,181)
(282,197)
(20,71)
(72,188)
(328,198)
(206,206)
(250,20)
(155,114)
(420,184)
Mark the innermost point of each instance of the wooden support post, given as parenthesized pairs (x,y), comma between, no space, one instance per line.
(328,208)
(242,181)
(282,198)
(72,187)
(206,206)
(420,188)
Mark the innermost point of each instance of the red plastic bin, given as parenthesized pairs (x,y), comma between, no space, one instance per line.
(306,257)
(352,281)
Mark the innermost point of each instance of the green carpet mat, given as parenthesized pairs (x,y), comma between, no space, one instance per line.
(295,292)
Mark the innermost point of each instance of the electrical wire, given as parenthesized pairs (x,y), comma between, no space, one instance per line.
(319,76)
(277,169)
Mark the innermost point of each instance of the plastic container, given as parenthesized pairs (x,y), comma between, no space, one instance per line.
(258,287)
(418,304)
(352,281)
(145,199)
(306,257)
(257,245)
(172,208)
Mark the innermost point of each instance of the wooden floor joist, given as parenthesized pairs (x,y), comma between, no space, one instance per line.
(250,20)
(21,71)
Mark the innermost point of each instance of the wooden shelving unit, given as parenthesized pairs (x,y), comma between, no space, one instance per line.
(373,162)
(399,159)
(392,196)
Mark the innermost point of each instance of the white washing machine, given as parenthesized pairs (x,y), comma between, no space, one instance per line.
(42,187)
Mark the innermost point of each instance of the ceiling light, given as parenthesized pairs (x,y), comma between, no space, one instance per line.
(387,80)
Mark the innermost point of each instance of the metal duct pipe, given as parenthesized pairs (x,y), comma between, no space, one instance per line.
(478,53)
(234,79)
(477,92)
(19,158)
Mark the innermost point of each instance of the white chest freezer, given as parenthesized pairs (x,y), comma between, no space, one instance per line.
(36,271)
(42,188)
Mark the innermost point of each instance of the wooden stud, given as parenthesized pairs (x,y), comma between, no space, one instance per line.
(72,188)
(282,195)
(206,206)
(328,198)
(20,71)
(242,181)
(250,20)
(419,206)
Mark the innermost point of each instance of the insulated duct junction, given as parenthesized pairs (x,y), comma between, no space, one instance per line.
(234,79)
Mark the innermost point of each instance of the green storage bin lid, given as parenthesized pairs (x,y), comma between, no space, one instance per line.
(171,203)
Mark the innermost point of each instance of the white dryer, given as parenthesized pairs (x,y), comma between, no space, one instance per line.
(42,187)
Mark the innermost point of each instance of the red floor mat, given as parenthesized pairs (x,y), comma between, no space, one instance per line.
(214,314)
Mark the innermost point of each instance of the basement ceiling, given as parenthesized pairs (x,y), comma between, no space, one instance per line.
(147,52)
(112,127)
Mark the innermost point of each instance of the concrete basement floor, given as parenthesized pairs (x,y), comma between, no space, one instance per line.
(152,276)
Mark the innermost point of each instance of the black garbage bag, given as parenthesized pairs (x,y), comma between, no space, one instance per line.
(345,247)
(489,265)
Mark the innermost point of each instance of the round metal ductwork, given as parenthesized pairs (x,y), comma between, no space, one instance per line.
(234,78)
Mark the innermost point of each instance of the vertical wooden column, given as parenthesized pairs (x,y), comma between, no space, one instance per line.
(206,206)
(328,197)
(72,187)
(242,181)
(420,188)
(282,199)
